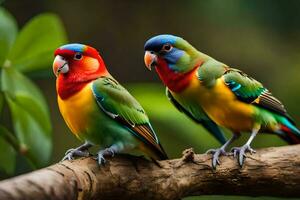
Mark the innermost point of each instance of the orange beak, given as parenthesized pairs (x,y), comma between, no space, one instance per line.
(150,59)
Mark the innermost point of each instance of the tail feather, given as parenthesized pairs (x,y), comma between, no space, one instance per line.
(291,132)
(290,136)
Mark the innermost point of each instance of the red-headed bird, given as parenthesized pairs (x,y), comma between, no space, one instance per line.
(213,94)
(97,109)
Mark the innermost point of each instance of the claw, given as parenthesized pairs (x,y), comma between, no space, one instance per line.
(216,154)
(217,162)
(66,157)
(112,152)
(235,151)
(221,151)
(252,151)
(68,151)
(108,152)
(241,153)
(101,159)
(72,153)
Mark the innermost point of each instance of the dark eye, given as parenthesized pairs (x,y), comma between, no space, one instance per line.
(166,48)
(78,56)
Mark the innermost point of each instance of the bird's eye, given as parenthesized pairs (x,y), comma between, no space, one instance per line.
(78,56)
(166,48)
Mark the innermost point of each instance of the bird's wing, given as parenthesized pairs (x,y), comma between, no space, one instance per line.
(251,91)
(203,119)
(115,101)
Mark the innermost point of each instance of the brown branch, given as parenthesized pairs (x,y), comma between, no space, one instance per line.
(270,172)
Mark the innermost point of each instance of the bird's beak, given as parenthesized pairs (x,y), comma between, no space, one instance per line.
(150,59)
(60,65)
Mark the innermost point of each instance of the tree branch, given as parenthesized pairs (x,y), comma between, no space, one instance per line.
(270,172)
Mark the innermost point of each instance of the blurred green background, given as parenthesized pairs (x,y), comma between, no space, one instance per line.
(260,37)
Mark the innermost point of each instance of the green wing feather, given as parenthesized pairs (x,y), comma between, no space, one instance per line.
(251,91)
(121,106)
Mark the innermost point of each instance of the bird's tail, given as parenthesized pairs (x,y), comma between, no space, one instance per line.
(290,132)
(162,155)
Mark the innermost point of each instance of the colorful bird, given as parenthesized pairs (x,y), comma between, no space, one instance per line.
(213,94)
(97,109)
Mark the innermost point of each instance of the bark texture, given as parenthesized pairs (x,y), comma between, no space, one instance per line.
(269,172)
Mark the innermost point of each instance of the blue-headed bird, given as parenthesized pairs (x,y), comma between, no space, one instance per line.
(215,95)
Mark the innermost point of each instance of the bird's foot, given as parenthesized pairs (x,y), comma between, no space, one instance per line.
(108,152)
(72,153)
(240,153)
(216,154)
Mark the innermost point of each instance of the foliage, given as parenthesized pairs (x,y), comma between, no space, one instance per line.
(29,50)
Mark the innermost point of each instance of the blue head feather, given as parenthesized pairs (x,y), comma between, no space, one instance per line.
(172,57)
(76,47)
(156,43)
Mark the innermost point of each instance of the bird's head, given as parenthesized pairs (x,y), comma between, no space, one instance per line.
(78,62)
(76,65)
(170,50)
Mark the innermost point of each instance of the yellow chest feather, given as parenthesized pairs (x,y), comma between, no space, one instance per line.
(76,110)
(221,105)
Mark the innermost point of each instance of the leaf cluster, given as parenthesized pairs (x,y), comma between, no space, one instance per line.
(29,50)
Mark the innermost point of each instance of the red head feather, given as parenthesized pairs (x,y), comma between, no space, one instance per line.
(84,65)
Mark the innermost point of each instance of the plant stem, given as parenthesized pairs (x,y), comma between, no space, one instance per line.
(10,138)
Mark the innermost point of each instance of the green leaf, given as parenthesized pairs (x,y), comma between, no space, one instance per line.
(8,32)
(7,153)
(1,101)
(30,115)
(34,47)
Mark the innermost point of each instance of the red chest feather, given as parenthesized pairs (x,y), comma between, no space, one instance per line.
(175,81)
(67,87)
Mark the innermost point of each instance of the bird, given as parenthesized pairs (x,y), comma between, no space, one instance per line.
(215,95)
(98,109)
